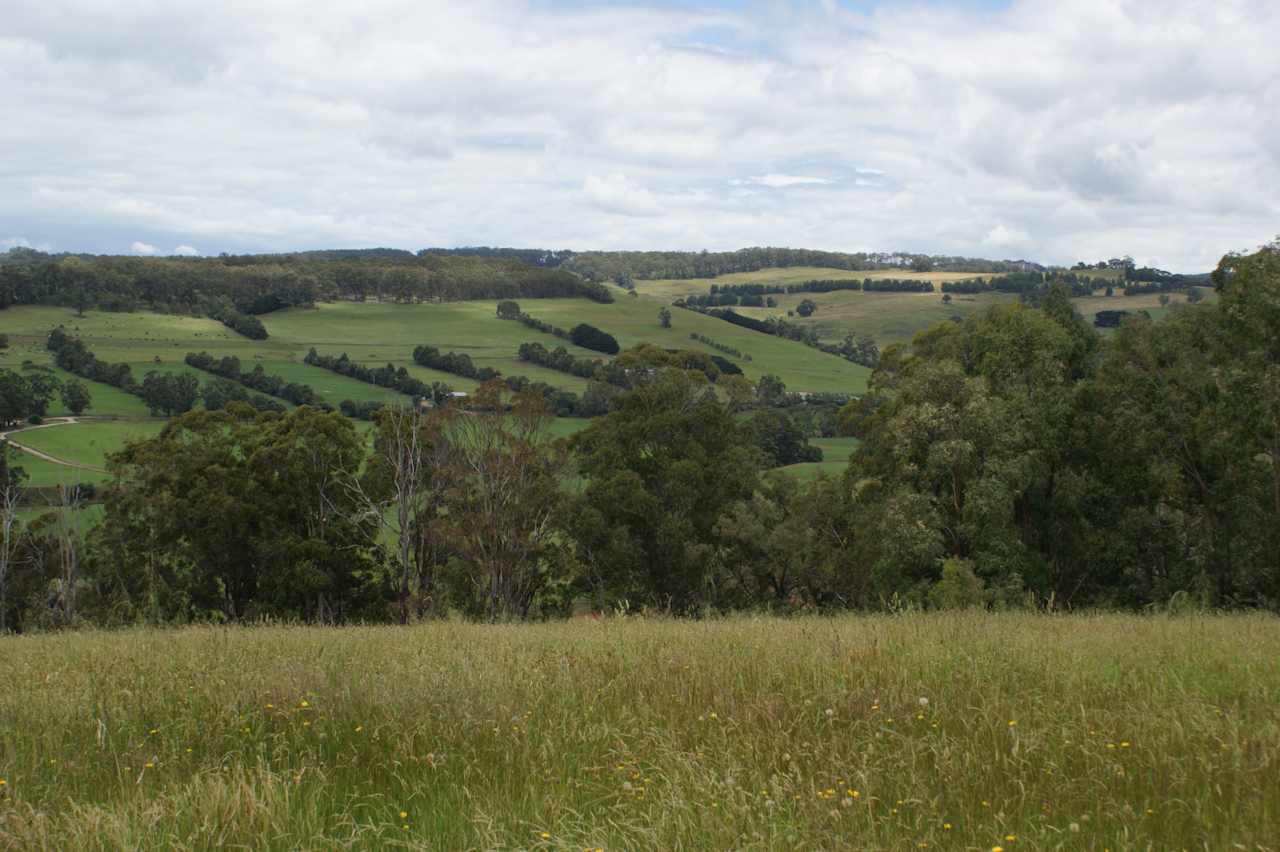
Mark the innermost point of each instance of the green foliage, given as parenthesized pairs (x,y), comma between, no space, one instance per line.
(958,587)
(664,316)
(781,441)
(660,469)
(23,397)
(589,337)
(75,396)
(169,393)
(236,514)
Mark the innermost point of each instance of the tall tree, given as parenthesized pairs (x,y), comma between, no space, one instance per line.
(661,466)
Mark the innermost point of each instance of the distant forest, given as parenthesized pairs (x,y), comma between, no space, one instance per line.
(231,287)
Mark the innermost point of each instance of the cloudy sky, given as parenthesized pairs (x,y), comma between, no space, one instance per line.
(1053,130)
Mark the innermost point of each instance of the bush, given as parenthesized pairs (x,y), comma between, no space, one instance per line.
(590,337)
(959,587)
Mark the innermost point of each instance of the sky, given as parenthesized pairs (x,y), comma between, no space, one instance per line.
(1040,129)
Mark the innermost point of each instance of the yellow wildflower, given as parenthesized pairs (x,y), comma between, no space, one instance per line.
(546,835)
(404,815)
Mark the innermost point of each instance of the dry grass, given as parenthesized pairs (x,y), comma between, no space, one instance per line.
(962,731)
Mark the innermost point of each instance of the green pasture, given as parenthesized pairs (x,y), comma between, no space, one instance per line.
(375,334)
(89,515)
(42,473)
(835,459)
(87,442)
(886,317)
(105,400)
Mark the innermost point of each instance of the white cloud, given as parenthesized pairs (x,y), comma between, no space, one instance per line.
(139,247)
(186,251)
(778,181)
(1002,237)
(1084,130)
(617,193)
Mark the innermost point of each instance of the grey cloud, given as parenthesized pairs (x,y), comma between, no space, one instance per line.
(1063,131)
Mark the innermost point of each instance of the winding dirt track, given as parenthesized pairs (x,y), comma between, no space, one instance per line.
(53,421)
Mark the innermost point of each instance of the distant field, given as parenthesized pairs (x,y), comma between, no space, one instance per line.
(673,288)
(835,459)
(376,334)
(968,731)
(886,317)
(88,442)
(43,474)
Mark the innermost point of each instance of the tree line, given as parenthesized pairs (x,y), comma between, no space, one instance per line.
(719,347)
(258,379)
(236,289)
(623,267)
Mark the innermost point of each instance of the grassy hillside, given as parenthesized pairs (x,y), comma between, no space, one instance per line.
(964,731)
(887,317)
(42,473)
(381,333)
(376,334)
(87,442)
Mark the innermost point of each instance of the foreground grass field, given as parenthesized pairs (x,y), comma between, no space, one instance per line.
(952,731)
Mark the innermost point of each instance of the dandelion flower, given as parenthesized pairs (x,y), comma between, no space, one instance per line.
(546,835)
(1013,723)
(946,826)
(304,703)
(1009,838)
(149,765)
(997,849)
(3,782)
(404,815)
(153,732)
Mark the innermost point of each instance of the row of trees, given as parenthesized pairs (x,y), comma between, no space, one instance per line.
(858,348)
(458,363)
(718,346)
(257,379)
